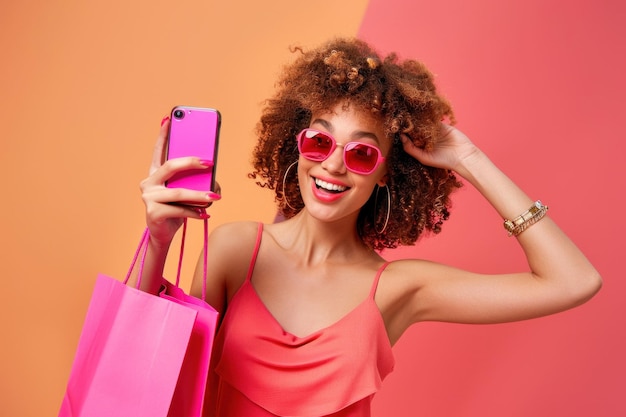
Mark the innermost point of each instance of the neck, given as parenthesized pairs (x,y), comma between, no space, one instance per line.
(315,241)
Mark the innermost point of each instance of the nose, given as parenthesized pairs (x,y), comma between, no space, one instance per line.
(334,162)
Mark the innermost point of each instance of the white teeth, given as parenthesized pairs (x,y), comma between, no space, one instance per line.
(328,186)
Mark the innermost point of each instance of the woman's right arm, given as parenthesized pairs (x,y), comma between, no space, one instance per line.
(163,216)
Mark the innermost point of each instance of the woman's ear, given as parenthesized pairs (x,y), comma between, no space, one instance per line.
(383,181)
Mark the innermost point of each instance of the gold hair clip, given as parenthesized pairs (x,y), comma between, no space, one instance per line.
(371,62)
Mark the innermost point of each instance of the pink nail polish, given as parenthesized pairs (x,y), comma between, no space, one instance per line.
(213,196)
(206,163)
(165,119)
(202,212)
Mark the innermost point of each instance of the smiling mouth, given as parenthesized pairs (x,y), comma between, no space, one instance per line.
(329,187)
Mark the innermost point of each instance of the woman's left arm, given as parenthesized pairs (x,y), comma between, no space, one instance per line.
(560,275)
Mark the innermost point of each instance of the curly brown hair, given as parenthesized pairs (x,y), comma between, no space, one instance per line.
(401,94)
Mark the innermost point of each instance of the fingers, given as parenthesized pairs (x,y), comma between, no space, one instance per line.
(164,218)
(410,147)
(160,213)
(154,191)
(169,168)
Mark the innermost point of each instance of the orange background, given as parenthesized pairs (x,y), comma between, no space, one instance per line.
(537,84)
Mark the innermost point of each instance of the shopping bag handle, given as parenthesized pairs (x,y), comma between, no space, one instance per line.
(142,248)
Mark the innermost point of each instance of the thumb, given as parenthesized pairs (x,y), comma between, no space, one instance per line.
(158,153)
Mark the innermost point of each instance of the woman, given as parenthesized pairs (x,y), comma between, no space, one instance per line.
(361,154)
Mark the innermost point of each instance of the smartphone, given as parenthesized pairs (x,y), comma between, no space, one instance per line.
(194,131)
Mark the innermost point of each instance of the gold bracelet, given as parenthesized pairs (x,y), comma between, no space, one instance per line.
(522,222)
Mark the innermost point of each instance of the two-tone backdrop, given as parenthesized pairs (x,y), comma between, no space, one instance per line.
(537,84)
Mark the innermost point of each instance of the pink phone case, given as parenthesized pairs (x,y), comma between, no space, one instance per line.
(194,131)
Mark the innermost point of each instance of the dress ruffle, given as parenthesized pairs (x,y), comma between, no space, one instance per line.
(310,376)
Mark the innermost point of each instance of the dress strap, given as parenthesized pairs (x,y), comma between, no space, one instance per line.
(377,278)
(257,245)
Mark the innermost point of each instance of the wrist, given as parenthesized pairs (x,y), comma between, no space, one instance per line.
(158,245)
(472,161)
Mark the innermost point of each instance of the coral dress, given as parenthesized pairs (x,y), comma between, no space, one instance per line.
(261,370)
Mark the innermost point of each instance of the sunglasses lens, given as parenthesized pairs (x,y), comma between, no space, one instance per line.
(361,157)
(315,145)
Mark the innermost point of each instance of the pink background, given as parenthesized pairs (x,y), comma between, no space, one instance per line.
(539,85)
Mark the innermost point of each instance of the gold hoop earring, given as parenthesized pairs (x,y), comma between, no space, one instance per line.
(380,232)
(285,182)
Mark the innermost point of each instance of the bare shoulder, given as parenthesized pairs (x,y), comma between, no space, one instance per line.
(230,236)
(408,277)
(401,280)
(231,244)
(229,252)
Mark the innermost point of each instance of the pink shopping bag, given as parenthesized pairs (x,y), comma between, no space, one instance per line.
(129,354)
(139,354)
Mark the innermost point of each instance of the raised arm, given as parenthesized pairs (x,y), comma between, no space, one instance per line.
(559,276)
(163,216)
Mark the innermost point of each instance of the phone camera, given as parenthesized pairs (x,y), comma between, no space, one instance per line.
(179,114)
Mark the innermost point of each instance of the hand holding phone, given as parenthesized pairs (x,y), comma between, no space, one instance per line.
(194,131)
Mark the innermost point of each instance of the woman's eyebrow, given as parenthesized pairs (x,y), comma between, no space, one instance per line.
(355,135)
(363,134)
(324,123)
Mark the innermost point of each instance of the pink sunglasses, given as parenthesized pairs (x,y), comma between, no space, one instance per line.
(360,158)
